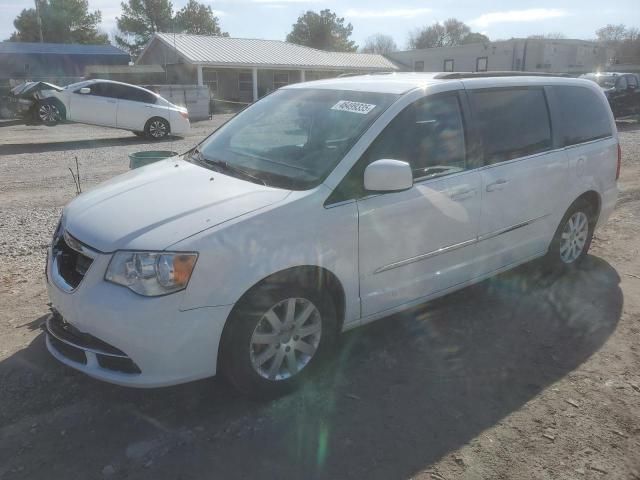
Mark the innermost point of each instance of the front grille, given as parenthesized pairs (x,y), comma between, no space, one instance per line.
(72,265)
(72,353)
(76,345)
(67,332)
(123,365)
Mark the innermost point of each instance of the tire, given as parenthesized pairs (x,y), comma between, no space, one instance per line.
(573,237)
(157,128)
(266,357)
(49,112)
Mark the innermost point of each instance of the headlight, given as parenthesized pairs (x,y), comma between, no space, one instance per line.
(151,273)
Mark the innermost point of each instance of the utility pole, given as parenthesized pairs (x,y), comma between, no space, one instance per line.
(39,20)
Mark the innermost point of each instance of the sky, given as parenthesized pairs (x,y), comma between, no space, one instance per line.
(499,19)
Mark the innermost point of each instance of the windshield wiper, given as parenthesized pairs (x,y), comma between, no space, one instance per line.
(224,166)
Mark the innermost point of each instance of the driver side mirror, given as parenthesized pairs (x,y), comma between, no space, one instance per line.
(388,176)
(85,90)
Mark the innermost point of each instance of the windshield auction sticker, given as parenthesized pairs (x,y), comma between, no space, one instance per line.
(353,107)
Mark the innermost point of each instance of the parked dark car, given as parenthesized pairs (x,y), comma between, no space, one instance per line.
(622,91)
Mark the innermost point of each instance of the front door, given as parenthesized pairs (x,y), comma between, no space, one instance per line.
(98,107)
(420,241)
(524,177)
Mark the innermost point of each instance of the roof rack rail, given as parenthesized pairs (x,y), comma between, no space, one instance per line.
(357,74)
(458,75)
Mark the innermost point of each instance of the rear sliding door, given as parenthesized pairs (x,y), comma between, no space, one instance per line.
(524,177)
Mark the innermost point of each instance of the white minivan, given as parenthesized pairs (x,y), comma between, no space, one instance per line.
(322,207)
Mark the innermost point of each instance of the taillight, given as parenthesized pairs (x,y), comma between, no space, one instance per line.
(619,162)
(185,115)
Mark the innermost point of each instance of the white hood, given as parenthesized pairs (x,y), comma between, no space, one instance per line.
(153,207)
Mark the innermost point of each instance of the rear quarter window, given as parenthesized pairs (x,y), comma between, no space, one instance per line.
(512,122)
(585,117)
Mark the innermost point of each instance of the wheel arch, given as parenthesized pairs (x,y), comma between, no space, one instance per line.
(591,197)
(312,276)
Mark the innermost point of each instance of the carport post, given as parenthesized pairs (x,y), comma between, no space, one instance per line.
(200,82)
(254,73)
(302,76)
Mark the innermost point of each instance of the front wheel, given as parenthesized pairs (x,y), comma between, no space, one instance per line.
(275,338)
(157,128)
(48,113)
(573,237)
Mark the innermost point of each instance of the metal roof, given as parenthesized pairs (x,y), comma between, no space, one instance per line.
(245,52)
(59,49)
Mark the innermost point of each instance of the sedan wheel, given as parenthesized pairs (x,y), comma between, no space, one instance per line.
(158,128)
(48,113)
(285,339)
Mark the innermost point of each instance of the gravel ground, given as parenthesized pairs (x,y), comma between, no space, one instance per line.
(519,377)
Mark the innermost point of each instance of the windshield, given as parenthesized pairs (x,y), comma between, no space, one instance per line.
(605,81)
(294,137)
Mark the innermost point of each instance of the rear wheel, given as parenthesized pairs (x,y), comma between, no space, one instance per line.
(157,128)
(573,237)
(275,338)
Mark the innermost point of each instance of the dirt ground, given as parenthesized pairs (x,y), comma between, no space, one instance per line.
(520,377)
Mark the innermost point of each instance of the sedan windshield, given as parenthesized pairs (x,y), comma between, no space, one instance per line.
(292,138)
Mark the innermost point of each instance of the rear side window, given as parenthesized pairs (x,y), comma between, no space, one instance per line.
(135,94)
(512,122)
(585,117)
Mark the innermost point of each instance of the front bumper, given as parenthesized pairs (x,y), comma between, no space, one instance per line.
(167,346)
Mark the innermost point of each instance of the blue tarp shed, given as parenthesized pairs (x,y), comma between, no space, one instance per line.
(23,60)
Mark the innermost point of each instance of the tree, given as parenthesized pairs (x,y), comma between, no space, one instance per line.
(140,19)
(379,43)
(612,34)
(625,42)
(199,19)
(63,21)
(475,37)
(324,30)
(448,34)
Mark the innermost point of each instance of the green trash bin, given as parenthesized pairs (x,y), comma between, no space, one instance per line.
(140,159)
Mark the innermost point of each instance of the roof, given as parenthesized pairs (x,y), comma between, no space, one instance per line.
(59,49)
(120,69)
(227,51)
(399,83)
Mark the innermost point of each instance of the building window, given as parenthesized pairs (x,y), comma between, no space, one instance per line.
(280,79)
(482,64)
(448,65)
(210,78)
(245,82)
(418,66)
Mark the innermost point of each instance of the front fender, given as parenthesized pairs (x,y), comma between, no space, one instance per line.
(297,232)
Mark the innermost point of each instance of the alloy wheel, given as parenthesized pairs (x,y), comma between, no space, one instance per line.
(574,237)
(48,113)
(157,129)
(285,339)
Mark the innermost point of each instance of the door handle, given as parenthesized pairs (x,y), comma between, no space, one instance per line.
(462,193)
(497,185)
(111,101)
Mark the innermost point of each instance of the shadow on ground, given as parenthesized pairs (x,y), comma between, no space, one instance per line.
(401,393)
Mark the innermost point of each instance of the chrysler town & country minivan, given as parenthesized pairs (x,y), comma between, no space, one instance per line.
(322,207)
